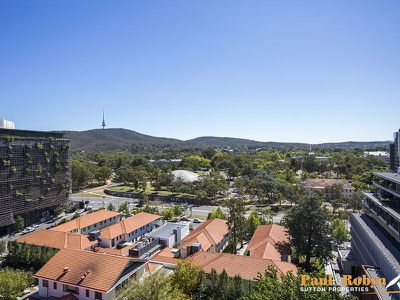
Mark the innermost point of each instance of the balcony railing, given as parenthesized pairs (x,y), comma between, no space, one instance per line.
(389,190)
(371,197)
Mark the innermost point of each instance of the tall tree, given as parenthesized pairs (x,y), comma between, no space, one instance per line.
(309,229)
(237,210)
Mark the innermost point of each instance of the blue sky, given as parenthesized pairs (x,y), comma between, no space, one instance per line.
(307,71)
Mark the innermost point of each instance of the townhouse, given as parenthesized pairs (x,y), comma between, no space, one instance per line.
(90,222)
(86,275)
(128,230)
(212,235)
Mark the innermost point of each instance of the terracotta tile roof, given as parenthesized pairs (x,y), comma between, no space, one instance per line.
(128,225)
(152,267)
(86,220)
(210,232)
(321,183)
(269,241)
(57,240)
(102,271)
(165,256)
(245,266)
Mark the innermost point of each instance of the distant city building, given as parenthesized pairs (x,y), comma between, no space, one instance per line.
(384,155)
(34,175)
(5,124)
(395,153)
(327,187)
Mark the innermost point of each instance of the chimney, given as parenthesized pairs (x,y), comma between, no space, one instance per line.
(65,270)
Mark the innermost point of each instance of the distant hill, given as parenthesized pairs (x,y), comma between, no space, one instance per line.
(237,143)
(125,139)
(118,139)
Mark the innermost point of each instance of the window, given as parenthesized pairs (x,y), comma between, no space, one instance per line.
(55,285)
(45,283)
(87,293)
(71,289)
(98,295)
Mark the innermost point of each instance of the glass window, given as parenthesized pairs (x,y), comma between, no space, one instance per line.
(87,293)
(45,283)
(98,295)
(55,285)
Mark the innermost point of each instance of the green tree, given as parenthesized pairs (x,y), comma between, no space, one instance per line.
(339,231)
(187,277)
(216,214)
(124,209)
(177,210)
(309,229)
(237,219)
(13,282)
(19,223)
(286,287)
(252,222)
(103,173)
(168,213)
(157,286)
(356,201)
(110,207)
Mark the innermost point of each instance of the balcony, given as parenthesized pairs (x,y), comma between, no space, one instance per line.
(386,189)
(377,203)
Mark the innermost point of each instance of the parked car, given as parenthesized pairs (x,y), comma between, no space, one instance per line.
(184,219)
(197,220)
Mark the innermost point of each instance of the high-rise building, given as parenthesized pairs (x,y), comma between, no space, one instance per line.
(395,153)
(6,124)
(34,175)
(375,233)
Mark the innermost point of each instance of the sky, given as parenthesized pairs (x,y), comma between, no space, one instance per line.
(291,71)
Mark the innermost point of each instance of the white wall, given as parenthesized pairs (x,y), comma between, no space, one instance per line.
(51,292)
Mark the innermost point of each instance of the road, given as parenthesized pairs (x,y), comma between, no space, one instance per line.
(200,211)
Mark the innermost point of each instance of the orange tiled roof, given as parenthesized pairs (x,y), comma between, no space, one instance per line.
(245,266)
(269,241)
(57,240)
(209,233)
(128,225)
(86,220)
(102,271)
(152,267)
(165,256)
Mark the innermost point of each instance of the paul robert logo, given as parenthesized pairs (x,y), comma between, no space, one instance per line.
(363,283)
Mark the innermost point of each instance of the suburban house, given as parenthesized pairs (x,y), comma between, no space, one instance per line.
(86,275)
(57,240)
(129,229)
(90,222)
(271,242)
(171,233)
(329,187)
(212,236)
(247,267)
